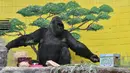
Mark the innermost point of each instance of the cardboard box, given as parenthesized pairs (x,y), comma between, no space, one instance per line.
(111,60)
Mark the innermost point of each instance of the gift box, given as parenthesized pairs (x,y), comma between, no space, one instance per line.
(111,60)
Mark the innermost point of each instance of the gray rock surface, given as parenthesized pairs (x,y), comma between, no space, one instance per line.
(3,53)
(25,70)
(66,69)
(2,41)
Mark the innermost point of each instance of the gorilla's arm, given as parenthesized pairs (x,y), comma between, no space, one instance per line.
(79,48)
(25,40)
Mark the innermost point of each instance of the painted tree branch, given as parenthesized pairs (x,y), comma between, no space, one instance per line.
(78,26)
(35,50)
(84,23)
(49,16)
(89,25)
(11,34)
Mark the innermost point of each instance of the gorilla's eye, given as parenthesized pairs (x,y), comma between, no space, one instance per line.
(60,24)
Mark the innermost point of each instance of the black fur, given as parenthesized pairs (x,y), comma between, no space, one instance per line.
(54,42)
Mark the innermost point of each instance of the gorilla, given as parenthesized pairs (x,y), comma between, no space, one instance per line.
(53,43)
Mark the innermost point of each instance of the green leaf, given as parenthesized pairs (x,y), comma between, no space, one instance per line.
(78,12)
(95,10)
(74,21)
(61,7)
(89,17)
(95,27)
(41,22)
(74,28)
(32,10)
(44,10)
(106,8)
(72,4)
(16,25)
(103,16)
(54,8)
(49,7)
(76,35)
(64,16)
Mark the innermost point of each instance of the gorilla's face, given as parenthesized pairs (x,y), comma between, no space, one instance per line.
(56,26)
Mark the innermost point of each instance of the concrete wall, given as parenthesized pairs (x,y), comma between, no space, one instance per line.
(66,69)
(114,38)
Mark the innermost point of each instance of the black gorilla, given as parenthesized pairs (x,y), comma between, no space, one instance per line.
(54,42)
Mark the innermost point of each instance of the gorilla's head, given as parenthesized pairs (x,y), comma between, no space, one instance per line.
(56,25)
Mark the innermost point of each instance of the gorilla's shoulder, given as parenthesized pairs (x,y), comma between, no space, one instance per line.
(43,29)
(66,31)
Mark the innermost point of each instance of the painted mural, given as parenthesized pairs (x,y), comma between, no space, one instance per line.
(103,25)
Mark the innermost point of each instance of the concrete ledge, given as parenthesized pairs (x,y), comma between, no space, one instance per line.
(112,70)
(66,69)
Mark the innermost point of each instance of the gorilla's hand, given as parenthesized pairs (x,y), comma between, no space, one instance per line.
(94,58)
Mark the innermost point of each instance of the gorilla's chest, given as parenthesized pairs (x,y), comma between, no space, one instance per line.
(51,41)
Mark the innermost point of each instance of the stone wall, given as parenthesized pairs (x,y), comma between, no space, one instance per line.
(3,53)
(66,69)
